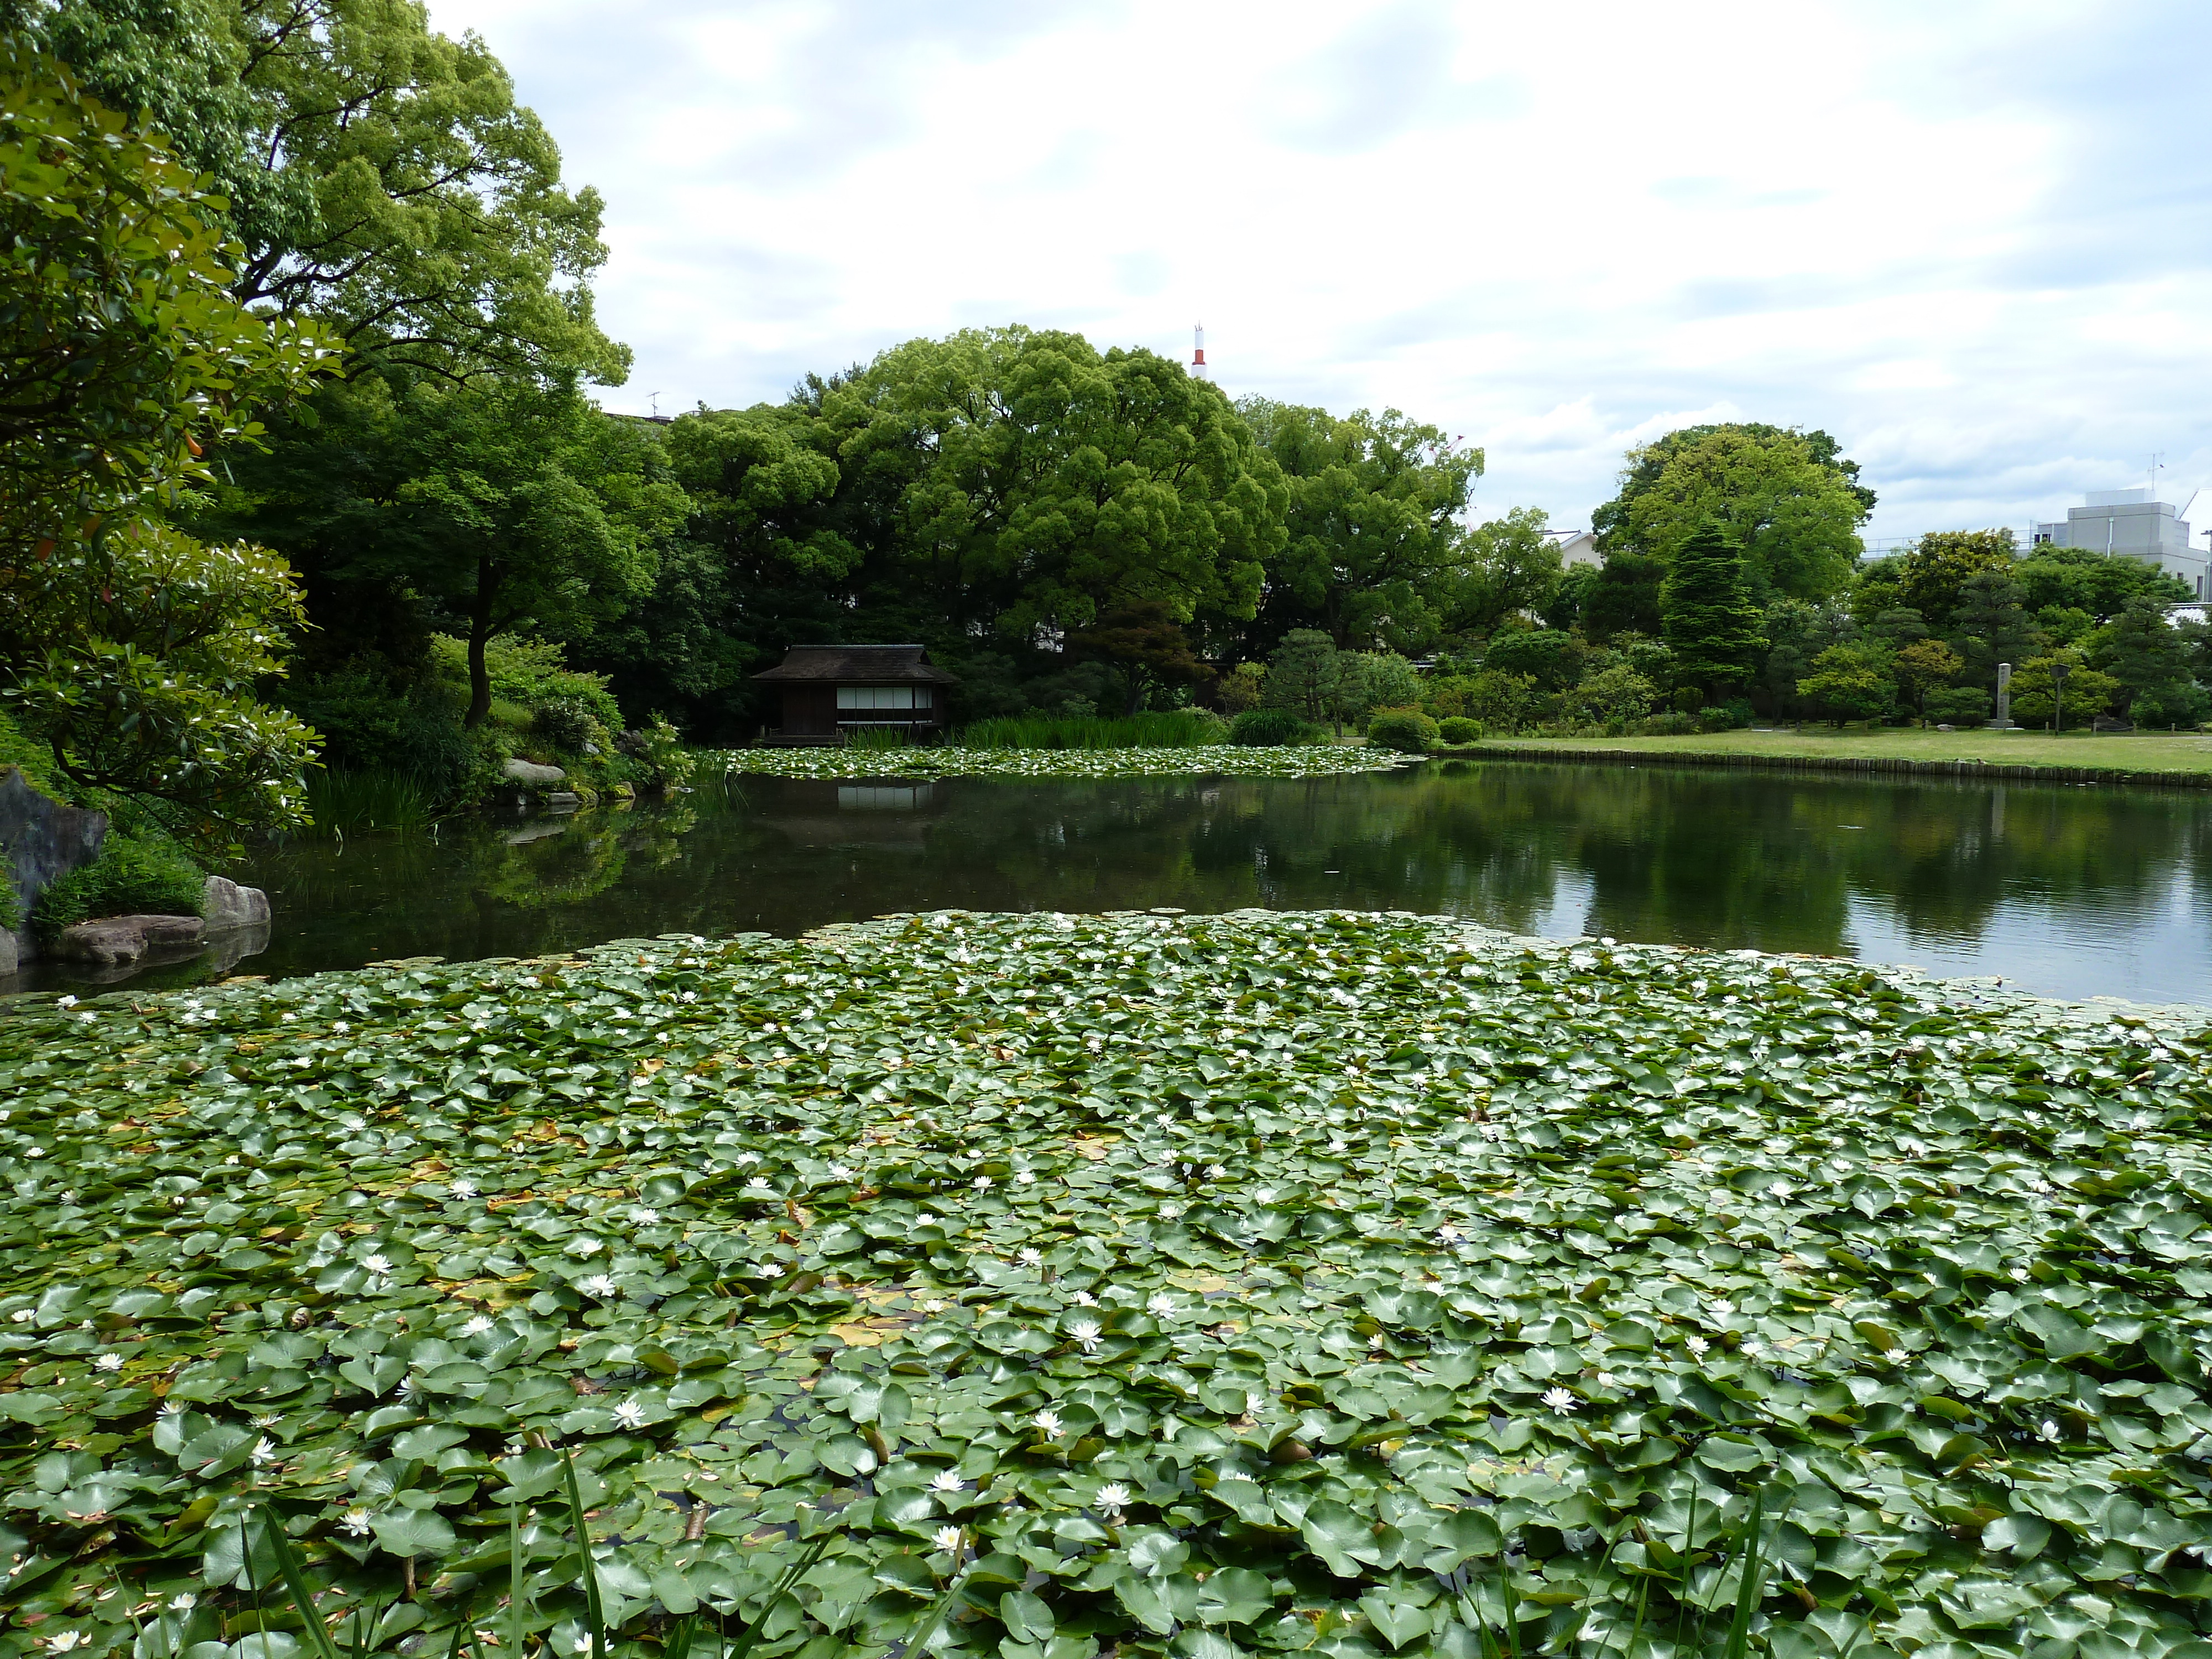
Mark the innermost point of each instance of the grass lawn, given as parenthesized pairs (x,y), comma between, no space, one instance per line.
(1191,1287)
(2141,752)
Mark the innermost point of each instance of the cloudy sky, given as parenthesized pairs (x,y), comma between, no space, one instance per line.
(1970,239)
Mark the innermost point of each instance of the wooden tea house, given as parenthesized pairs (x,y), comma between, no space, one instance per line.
(831,693)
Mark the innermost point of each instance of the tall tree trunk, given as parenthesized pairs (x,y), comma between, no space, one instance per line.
(480,633)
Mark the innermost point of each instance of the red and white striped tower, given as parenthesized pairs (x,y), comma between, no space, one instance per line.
(1198,353)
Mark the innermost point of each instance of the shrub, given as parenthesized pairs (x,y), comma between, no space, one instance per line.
(129,877)
(525,674)
(1457,729)
(1614,693)
(2181,703)
(1406,730)
(1267,728)
(658,748)
(1724,717)
(1957,705)
(1669,723)
(567,723)
(374,719)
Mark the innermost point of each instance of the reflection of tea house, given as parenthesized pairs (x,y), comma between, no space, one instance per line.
(832,693)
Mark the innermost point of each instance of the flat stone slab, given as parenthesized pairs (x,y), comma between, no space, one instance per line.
(534,776)
(113,939)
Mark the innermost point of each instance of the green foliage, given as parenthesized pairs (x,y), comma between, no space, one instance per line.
(1180,729)
(1296,758)
(1508,701)
(1458,729)
(529,675)
(1957,705)
(378,720)
(380,176)
(1298,1352)
(1931,577)
(343,801)
(1710,626)
(1784,499)
(567,724)
(2036,695)
(1623,596)
(1406,730)
(131,650)
(11,904)
(2178,704)
(1142,642)
(658,748)
(1304,675)
(1261,729)
(1992,626)
(1614,695)
(1241,689)
(1852,681)
(1551,658)
(2097,583)
(1923,667)
(2141,650)
(130,877)
(1374,551)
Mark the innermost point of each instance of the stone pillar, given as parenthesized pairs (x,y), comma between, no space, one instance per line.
(2003,722)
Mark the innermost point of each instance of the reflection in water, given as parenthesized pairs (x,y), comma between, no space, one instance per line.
(2067,891)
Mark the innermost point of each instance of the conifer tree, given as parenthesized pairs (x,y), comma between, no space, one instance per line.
(1708,623)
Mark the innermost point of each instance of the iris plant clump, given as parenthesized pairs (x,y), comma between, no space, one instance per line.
(1367,1285)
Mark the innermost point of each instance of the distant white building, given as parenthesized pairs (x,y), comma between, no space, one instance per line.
(2129,521)
(1577,549)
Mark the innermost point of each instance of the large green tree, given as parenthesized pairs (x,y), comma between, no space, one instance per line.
(1787,500)
(1991,625)
(1706,621)
(379,176)
(502,505)
(128,648)
(1374,551)
(1930,576)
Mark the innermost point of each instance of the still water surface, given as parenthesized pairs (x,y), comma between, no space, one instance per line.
(2064,891)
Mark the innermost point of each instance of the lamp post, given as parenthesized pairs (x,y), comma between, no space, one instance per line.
(2059,670)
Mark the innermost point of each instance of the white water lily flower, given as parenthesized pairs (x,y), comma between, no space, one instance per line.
(599,1284)
(1161,1305)
(410,1386)
(1084,1299)
(169,1408)
(1697,1345)
(265,1419)
(109,1362)
(182,1602)
(1027,1177)
(932,1306)
(356,1522)
(1029,1256)
(66,1640)
(65,1002)
(340,1027)
(1086,1332)
(982,1183)
(1265,1195)
(264,1453)
(1376,1340)
(1560,1401)
(946,1481)
(1216,1172)
(1048,1422)
(464,1188)
(757,1184)
(377,1264)
(630,1414)
(1113,1498)
(948,1538)
(2048,1430)
(1607,1380)
(477,1326)
(87,1018)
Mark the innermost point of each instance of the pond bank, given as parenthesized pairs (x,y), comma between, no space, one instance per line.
(1693,751)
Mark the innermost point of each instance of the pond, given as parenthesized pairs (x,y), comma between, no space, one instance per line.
(2064,891)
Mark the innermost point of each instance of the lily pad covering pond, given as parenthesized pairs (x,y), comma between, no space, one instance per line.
(1196,1285)
(1224,760)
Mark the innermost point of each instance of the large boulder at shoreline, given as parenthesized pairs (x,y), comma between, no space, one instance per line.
(532,775)
(228,906)
(44,841)
(114,939)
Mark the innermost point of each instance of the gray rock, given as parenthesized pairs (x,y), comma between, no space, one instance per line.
(227,906)
(9,956)
(114,940)
(537,777)
(560,800)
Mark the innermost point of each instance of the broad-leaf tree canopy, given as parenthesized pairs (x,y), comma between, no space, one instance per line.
(1377,552)
(379,176)
(1785,498)
(127,647)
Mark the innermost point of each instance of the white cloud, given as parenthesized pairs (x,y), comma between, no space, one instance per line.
(1968,239)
